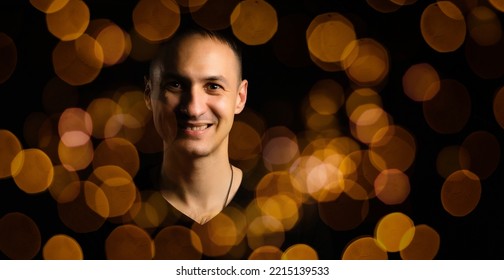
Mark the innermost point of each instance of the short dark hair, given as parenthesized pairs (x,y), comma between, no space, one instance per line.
(223,36)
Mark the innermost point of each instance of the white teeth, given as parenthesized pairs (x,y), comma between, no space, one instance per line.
(197,128)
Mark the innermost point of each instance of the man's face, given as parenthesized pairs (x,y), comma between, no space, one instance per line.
(194,93)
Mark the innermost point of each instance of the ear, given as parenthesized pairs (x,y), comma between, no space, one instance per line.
(147,93)
(242,97)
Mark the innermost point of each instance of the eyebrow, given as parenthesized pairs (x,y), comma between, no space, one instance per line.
(212,78)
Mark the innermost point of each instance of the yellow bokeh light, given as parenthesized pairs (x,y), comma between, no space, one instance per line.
(484,26)
(362,96)
(65,186)
(119,152)
(364,248)
(49,6)
(326,97)
(69,22)
(20,237)
(62,247)
(245,141)
(367,120)
(10,147)
(254,22)
(8,56)
(371,64)
(497,4)
(156,20)
(78,62)
(129,242)
(266,253)
(393,231)
(300,252)
(118,187)
(424,246)
(328,37)
(421,82)
(101,110)
(88,211)
(265,230)
(75,127)
(461,193)
(77,157)
(392,186)
(32,170)
(393,147)
(443,26)
(151,210)
(177,243)
(219,235)
(113,40)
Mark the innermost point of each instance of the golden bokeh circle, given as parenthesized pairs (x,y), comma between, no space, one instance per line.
(62,247)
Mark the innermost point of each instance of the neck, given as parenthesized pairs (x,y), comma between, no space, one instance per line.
(198,187)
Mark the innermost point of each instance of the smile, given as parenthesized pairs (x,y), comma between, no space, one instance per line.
(197,128)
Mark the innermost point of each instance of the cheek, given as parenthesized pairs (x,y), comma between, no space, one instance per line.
(164,120)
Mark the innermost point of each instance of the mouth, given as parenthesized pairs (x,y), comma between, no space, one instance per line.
(194,129)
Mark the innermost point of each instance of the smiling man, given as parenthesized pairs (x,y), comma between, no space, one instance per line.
(194,90)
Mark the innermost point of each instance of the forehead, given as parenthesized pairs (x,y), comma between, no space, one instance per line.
(197,53)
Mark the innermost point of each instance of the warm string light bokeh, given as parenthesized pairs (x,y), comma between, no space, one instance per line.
(351,154)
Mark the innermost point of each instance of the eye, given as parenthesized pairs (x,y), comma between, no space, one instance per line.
(213,86)
(173,86)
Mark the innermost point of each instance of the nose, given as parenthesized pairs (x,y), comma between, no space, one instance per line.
(193,102)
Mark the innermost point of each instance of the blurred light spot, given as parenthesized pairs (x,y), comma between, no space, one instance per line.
(153,210)
(326,97)
(404,2)
(360,174)
(49,6)
(421,82)
(101,110)
(245,141)
(383,6)
(218,235)
(115,43)
(486,61)
(65,186)
(254,22)
(484,26)
(394,148)
(498,107)
(62,247)
(424,246)
(119,152)
(58,96)
(215,14)
(330,38)
(10,146)
(75,127)
(78,62)
(156,20)
(300,252)
(355,212)
(392,186)
(129,242)
(367,120)
(362,96)
(32,170)
(266,253)
(282,207)
(451,159)
(278,183)
(88,211)
(118,187)
(461,193)
(484,152)
(497,4)
(289,43)
(77,157)
(449,111)
(371,64)
(193,4)
(364,248)
(19,236)
(280,147)
(177,243)
(443,26)
(265,230)
(69,22)
(464,6)
(393,231)
(8,56)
